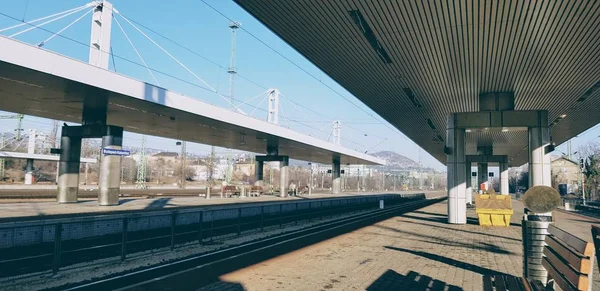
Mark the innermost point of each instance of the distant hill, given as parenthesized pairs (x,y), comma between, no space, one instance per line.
(395,160)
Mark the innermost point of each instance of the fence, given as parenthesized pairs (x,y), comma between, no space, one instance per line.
(52,244)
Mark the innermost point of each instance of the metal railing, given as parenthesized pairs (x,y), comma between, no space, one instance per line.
(132,238)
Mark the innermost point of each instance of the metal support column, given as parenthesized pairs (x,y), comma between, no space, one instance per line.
(335,176)
(29,172)
(68,168)
(259,173)
(109,181)
(482,175)
(283,177)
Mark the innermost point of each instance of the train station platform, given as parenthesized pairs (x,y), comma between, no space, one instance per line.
(26,209)
(413,251)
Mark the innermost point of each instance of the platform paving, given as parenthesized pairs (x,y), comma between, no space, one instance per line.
(415,251)
(24,209)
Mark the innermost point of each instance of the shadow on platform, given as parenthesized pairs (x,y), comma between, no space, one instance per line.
(222,285)
(444,219)
(461,230)
(158,203)
(449,261)
(443,241)
(126,200)
(391,280)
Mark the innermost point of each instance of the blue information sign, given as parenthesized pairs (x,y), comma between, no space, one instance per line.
(115,152)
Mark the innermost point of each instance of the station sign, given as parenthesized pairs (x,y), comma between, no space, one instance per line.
(115,152)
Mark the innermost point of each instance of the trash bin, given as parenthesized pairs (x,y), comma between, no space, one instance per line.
(535,228)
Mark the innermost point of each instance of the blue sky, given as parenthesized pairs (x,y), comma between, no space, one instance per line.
(197,26)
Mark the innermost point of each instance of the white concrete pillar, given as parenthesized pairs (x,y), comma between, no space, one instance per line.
(504,178)
(456,160)
(335,176)
(29,172)
(109,182)
(469,189)
(100,36)
(283,177)
(539,161)
(482,175)
(68,168)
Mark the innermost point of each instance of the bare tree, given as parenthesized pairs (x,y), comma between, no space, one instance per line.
(211,164)
(54,134)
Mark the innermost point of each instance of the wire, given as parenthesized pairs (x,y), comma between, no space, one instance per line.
(261,102)
(290,61)
(163,73)
(283,115)
(166,52)
(305,71)
(136,51)
(112,56)
(44,23)
(65,28)
(25,11)
(39,19)
(252,99)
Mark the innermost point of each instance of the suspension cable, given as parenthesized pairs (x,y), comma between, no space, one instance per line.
(283,115)
(136,51)
(49,21)
(42,18)
(251,99)
(259,104)
(172,57)
(65,28)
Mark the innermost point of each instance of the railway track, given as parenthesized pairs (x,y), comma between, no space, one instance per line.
(93,193)
(194,272)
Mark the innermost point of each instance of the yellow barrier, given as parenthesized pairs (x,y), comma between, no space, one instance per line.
(493,210)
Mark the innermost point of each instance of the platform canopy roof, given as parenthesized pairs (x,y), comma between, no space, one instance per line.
(415,62)
(38,82)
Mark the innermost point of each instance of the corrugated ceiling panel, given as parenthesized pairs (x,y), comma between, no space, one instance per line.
(446,53)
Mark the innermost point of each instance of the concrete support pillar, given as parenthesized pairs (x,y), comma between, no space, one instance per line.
(455,150)
(283,177)
(504,179)
(68,168)
(469,187)
(539,161)
(29,172)
(336,183)
(482,175)
(110,168)
(258,172)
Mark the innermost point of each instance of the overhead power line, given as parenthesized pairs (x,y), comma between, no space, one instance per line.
(305,71)
(210,89)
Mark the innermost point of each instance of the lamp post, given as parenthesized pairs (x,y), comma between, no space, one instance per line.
(310,179)
(358,180)
(183,158)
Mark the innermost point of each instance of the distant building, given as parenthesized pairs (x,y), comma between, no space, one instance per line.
(567,172)
(245,168)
